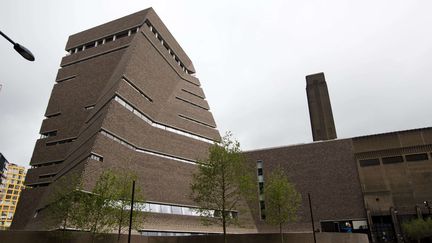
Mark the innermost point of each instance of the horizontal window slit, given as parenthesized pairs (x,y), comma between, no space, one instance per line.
(369,162)
(392,160)
(145,151)
(196,121)
(147,119)
(417,157)
(65,79)
(102,41)
(137,89)
(190,92)
(191,103)
(53,115)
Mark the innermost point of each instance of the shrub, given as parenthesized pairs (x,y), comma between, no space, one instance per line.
(418,228)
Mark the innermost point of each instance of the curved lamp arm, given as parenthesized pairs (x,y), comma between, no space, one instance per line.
(24,52)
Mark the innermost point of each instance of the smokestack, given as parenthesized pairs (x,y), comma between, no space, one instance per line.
(320,111)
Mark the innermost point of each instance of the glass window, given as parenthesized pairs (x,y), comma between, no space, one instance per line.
(261,187)
(260,171)
(165,209)
(259,164)
(417,157)
(195,212)
(262,205)
(392,160)
(176,210)
(109,39)
(186,211)
(217,213)
(154,208)
(369,162)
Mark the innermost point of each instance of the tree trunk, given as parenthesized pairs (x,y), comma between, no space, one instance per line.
(280,232)
(64,229)
(120,225)
(224,229)
(93,236)
(280,225)
(95,227)
(223,206)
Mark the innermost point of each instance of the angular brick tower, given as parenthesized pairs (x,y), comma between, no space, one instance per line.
(320,111)
(125,97)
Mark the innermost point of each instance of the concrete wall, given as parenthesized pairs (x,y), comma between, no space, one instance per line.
(75,237)
(401,184)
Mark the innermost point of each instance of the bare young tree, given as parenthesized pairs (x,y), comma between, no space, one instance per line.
(281,198)
(123,197)
(221,181)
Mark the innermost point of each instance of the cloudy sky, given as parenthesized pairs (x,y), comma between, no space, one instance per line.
(251,57)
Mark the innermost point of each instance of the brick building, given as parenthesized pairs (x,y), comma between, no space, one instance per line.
(376,181)
(126,97)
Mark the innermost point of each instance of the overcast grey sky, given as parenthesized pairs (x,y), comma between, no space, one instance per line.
(251,58)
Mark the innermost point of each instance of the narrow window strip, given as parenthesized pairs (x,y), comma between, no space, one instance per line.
(196,121)
(157,125)
(192,93)
(191,103)
(137,89)
(142,150)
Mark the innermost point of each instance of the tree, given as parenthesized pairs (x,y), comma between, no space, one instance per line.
(221,181)
(105,208)
(64,203)
(95,212)
(418,229)
(281,198)
(123,197)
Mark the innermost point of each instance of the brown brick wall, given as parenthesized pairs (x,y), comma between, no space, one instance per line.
(93,77)
(327,170)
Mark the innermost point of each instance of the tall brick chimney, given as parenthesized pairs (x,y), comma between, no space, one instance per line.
(320,111)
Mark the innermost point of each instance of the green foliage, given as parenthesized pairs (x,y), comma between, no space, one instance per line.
(281,198)
(222,181)
(105,208)
(418,228)
(123,196)
(64,202)
(96,208)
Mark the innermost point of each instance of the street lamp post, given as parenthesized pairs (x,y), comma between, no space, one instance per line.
(131,211)
(24,52)
(311,214)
